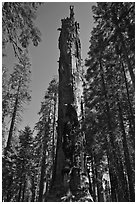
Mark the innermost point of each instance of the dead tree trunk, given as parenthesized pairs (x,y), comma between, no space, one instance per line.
(69,162)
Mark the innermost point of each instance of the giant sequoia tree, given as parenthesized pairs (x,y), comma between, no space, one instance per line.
(84,142)
(68,183)
(109,94)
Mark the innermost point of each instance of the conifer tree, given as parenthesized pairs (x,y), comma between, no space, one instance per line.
(46,129)
(107,98)
(25,162)
(19,93)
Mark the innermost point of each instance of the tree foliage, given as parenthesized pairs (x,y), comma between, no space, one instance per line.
(46,138)
(107,121)
(18,93)
(18,168)
(109,96)
(18,25)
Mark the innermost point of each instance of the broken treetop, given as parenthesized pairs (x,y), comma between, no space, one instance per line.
(69,25)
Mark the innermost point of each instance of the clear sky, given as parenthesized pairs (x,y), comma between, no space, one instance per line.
(44,57)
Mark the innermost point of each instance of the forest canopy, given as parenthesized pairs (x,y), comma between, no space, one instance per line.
(82,148)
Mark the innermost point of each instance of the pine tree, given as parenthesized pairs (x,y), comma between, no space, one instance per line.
(46,137)
(107,93)
(24,161)
(16,177)
(19,92)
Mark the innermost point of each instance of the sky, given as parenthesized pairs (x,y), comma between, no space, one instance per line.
(44,57)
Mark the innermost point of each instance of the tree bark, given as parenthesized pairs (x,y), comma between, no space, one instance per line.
(13,118)
(112,151)
(130,111)
(98,182)
(127,156)
(132,75)
(41,185)
(53,136)
(23,191)
(90,184)
(33,190)
(12,124)
(20,190)
(93,179)
(128,62)
(42,174)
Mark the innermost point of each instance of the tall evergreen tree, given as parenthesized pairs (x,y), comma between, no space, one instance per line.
(107,92)
(24,162)
(19,92)
(46,128)
(17,168)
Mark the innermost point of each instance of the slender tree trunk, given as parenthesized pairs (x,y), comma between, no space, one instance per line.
(126,55)
(124,180)
(128,62)
(128,96)
(93,178)
(130,111)
(12,124)
(112,176)
(113,182)
(33,194)
(90,184)
(41,185)
(123,174)
(20,190)
(111,139)
(9,191)
(23,191)
(127,156)
(4,111)
(13,118)
(33,189)
(54,120)
(42,174)
(21,182)
(43,162)
(99,185)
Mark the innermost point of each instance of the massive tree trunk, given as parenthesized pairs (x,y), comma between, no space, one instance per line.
(69,161)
